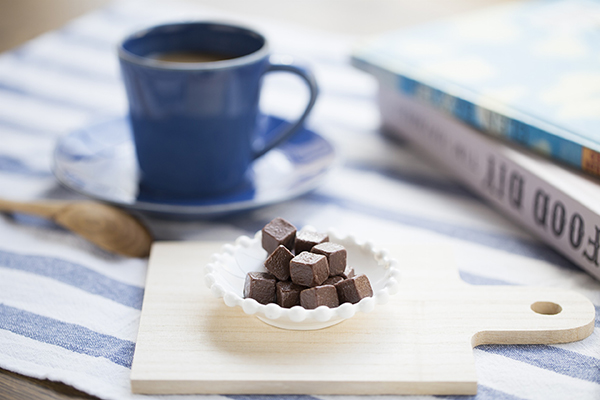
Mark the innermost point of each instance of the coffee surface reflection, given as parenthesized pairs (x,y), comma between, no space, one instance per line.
(190,56)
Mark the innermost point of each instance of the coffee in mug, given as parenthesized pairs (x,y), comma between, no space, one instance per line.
(191,56)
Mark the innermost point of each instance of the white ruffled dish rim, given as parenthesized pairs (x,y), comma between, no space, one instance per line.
(227,271)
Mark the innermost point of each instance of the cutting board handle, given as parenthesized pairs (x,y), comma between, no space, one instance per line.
(528,315)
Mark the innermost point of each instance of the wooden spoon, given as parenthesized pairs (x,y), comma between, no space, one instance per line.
(108,227)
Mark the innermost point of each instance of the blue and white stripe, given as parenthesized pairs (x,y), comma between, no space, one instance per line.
(69,311)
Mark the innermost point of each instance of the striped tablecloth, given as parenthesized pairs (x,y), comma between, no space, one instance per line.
(69,312)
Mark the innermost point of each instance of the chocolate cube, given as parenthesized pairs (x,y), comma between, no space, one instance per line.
(333,280)
(336,256)
(260,286)
(354,289)
(288,294)
(309,269)
(278,232)
(348,272)
(278,263)
(306,240)
(319,296)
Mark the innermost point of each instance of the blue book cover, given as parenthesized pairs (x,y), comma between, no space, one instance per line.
(526,71)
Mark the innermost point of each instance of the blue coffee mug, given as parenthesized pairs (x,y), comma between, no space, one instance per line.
(195,123)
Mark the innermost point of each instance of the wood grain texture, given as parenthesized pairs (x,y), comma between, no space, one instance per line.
(18,387)
(107,227)
(419,343)
(24,19)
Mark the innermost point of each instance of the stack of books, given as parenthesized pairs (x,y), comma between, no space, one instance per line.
(507,99)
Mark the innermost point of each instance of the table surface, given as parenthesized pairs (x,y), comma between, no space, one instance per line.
(23,20)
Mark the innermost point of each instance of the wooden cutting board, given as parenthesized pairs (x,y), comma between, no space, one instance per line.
(419,343)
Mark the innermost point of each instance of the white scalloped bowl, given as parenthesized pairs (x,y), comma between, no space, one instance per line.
(226,274)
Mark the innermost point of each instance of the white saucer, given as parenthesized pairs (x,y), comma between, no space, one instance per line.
(99,161)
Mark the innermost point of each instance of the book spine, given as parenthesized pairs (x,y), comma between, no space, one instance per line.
(495,172)
(535,135)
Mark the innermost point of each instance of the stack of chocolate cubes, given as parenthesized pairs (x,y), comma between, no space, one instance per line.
(305,269)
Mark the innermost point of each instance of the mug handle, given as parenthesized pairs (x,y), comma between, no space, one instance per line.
(290,129)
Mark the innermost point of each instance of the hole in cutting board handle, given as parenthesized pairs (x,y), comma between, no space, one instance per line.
(546,308)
